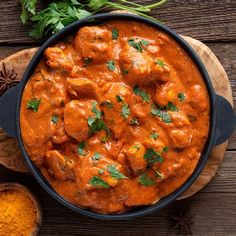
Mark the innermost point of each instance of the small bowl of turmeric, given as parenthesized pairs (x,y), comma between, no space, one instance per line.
(20,212)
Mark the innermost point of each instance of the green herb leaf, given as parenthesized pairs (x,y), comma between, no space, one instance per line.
(33,104)
(161,114)
(158,174)
(118,98)
(115,33)
(96,156)
(181,97)
(134,121)
(137,146)
(141,93)
(100,171)
(154,135)
(56,16)
(97,181)
(145,180)
(171,107)
(144,42)
(54,119)
(160,63)
(61,13)
(28,6)
(111,65)
(96,4)
(97,112)
(152,156)
(81,148)
(116,174)
(96,123)
(125,112)
(138,45)
(87,61)
(107,104)
(165,149)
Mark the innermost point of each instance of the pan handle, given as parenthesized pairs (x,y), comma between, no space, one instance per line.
(225,120)
(8,111)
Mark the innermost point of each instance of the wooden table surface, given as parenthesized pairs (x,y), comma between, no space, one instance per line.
(213,210)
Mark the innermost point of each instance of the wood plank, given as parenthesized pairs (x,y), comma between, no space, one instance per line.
(224,180)
(204,20)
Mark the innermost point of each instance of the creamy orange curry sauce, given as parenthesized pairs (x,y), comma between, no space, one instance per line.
(115,117)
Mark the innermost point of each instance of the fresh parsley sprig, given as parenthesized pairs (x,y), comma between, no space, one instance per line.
(61,13)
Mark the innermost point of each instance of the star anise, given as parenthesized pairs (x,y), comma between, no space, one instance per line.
(8,79)
(182,221)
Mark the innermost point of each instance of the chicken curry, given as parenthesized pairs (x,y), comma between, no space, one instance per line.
(115,116)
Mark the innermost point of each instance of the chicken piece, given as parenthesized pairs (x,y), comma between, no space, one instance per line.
(56,58)
(76,116)
(181,133)
(37,153)
(139,194)
(84,88)
(198,98)
(95,43)
(51,88)
(181,138)
(167,92)
(36,126)
(59,166)
(59,135)
(179,119)
(112,107)
(139,68)
(93,170)
(135,157)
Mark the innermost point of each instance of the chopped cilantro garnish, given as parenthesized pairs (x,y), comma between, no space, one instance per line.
(97,181)
(54,119)
(181,97)
(126,72)
(100,171)
(152,156)
(171,107)
(158,174)
(118,98)
(144,42)
(115,33)
(96,156)
(97,112)
(125,112)
(81,148)
(33,104)
(137,146)
(111,65)
(107,104)
(145,180)
(134,121)
(96,123)
(87,61)
(160,63)
(116,174)
(138,45)
(141,93)
(165,149)
(154,135)
(164,115)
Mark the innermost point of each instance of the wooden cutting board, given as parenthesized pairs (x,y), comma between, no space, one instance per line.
(10,155)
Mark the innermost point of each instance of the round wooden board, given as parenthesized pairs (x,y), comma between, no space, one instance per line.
(10,155)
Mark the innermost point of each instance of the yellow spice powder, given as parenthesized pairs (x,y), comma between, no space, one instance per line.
(18,214)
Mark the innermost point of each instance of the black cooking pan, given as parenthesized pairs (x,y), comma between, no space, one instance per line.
(222,117)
